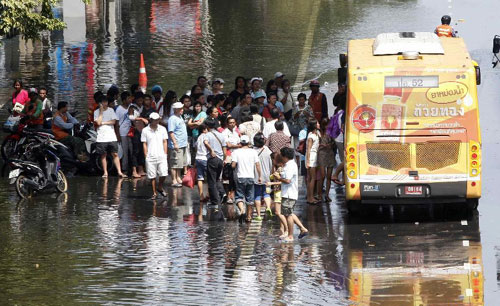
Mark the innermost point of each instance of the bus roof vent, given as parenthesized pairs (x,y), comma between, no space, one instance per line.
(397,43)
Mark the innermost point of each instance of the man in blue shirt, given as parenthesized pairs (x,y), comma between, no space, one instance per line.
(177,144)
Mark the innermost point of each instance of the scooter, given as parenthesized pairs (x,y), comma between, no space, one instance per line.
(32,177)
(69,160)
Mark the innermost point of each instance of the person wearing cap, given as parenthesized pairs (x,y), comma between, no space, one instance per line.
(246,161)
(157,92)
(317,101)
(177,144)
(217,86)
(154,140)
(255,88)
(106,142)
(278,78)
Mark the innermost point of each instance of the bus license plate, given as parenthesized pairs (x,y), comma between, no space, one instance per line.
(414,190)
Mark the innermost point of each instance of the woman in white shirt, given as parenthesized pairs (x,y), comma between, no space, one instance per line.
(312,158)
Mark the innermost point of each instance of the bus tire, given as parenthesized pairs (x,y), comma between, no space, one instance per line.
(472,204)
(353,207)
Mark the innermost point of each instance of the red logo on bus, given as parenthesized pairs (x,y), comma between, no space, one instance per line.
(363,118)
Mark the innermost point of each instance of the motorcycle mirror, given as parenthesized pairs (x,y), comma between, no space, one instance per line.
(496,44)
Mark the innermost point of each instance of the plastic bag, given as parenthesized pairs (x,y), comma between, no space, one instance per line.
(189,178)
(301,148)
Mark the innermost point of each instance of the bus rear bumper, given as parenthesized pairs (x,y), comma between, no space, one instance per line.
(414,193)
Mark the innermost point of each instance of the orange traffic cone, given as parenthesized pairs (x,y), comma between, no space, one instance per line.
(143,78)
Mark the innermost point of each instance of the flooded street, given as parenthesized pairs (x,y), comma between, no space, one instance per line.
(104,242)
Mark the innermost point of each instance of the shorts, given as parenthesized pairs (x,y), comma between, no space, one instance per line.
(155,168)
(177,159)
(260,192)
(277,196)
(245,191)
(287,207)
(313,159)
(201,169)
(102,148)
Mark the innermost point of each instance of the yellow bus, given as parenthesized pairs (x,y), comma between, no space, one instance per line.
(412,122)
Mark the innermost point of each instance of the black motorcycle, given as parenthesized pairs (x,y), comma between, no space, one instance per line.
(45,173)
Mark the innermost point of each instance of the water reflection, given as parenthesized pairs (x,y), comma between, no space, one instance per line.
(436,260)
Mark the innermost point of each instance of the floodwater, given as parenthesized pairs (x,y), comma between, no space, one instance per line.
(104,242)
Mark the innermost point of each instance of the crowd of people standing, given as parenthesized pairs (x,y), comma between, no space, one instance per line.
(246,146)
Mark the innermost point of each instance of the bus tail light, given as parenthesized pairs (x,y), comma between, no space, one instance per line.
(475,157)
(351,161)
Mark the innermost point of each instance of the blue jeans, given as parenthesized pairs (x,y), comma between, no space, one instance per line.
(260,192)
(245,191)
(201,169)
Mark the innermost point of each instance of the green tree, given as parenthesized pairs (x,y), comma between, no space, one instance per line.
(29,17)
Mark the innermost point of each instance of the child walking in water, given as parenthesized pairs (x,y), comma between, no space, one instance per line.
(275,185)
(290,192)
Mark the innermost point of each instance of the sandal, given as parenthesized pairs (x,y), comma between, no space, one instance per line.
(163,193)
(303,234)
(104,176)
(122,175)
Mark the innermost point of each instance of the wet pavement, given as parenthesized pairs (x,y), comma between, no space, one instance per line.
(106,243)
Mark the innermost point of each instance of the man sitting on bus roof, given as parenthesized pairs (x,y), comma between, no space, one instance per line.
(445,30)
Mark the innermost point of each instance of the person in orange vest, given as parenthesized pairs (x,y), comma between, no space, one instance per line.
(62,124)
(317,101)
(445,30)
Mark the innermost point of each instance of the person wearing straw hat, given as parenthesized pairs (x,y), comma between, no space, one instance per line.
(177,144)
(154,140)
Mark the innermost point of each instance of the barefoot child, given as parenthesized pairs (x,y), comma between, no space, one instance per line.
(275,184)
(290,192)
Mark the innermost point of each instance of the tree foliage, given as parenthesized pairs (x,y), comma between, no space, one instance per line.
(29,17)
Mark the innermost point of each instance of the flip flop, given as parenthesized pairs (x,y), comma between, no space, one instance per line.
(303,234)
(104,176)
(123,175)
(163,193)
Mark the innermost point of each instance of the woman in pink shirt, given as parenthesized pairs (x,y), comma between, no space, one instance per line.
(19,95)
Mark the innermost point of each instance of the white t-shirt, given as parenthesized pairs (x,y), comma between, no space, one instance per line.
(231,137)
(201,150)
(123,120)
(290,172)
(315,144)
(266,163)
(246,159)
(269,128)
(154,141)
(106,133)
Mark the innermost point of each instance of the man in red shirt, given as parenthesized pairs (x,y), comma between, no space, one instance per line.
(317,101)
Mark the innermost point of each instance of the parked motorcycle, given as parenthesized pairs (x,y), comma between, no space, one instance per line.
(45,173)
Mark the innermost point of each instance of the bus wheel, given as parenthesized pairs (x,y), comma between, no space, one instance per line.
(353,207)
(472,204)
